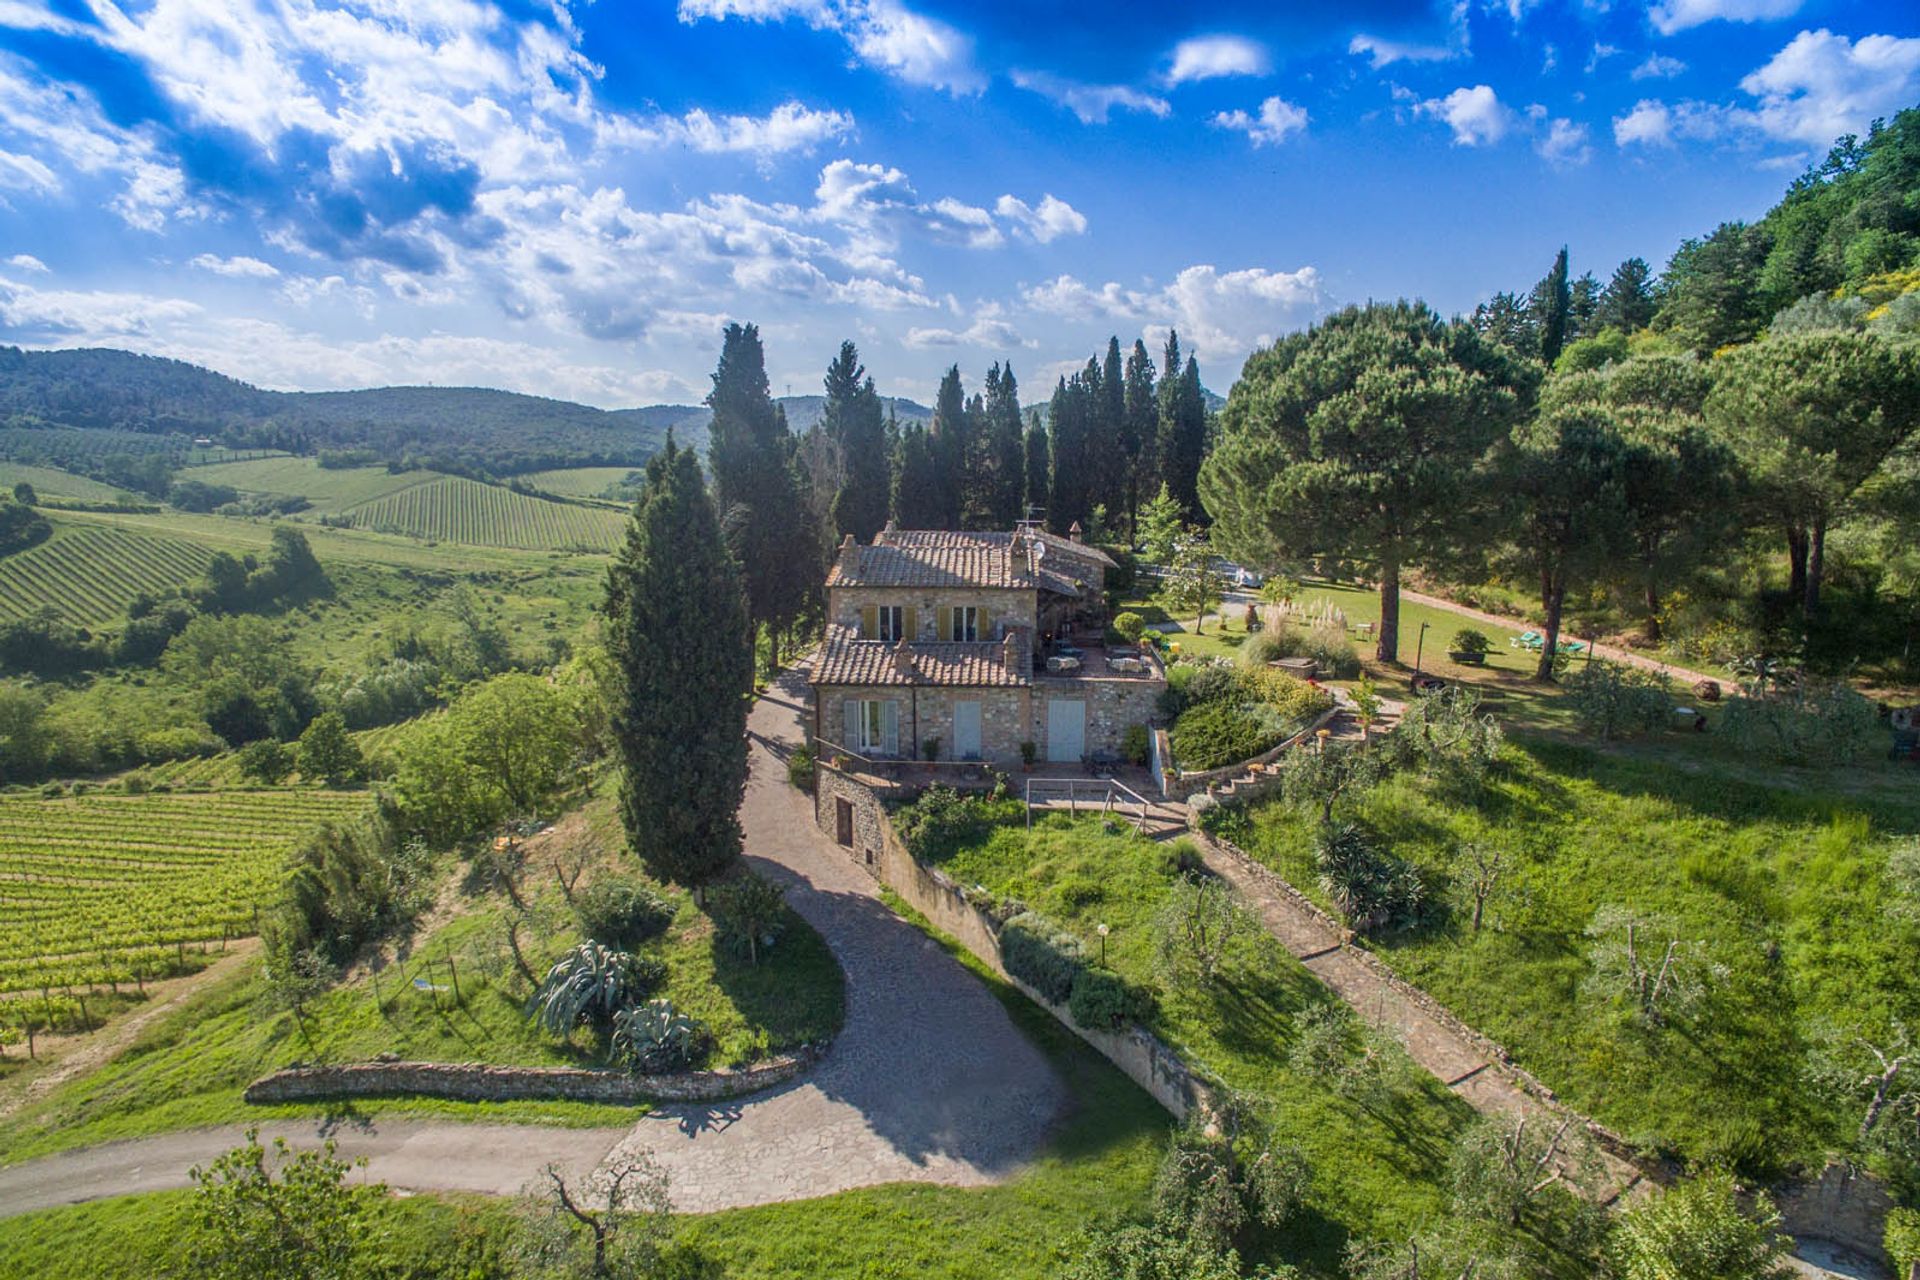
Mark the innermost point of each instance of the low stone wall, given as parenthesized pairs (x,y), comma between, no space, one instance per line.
(1502,1063)
(1845,1206)
(945,903)
(478,1082)
(1181,785)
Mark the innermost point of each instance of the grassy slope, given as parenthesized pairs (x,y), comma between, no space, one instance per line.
(50,482)
(190,1066)
(1778,871)
(577,482)
(328,489)
(1379,1171)
(1094,1172)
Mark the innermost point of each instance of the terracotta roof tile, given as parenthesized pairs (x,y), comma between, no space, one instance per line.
(847,660)
(940,558)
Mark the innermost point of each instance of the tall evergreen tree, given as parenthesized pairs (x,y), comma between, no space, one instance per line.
(1109,435)
(852,420)
(1553,304)
(1626,303)
(1140,419)
(1506,319)
(1006,448)
(1069,503)
(951,442)
(1038,469)
(919,488)
(1183,430)
(750,452)
(681,643)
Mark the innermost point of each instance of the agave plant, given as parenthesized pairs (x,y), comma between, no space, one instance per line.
(590,983)
(655,1037)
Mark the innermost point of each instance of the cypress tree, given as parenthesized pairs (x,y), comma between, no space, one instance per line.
(1141,416)
(1553,301)
(852,420)
(1038,480)
(678,633)
(750,452)
(951,444)
(1006,449)
(1067,430)
(1183,430)
(919,491)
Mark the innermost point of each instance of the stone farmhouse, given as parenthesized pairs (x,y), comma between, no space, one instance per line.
(963,646)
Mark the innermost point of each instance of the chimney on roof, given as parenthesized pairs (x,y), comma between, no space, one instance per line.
(1016,554)
(848,557)
(1010,652)
(903,659)
(892,527)
(1074,531)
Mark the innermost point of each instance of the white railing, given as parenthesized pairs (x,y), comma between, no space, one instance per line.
(1106,793)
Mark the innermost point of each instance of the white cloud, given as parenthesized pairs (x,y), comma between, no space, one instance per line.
(1650,124)
(1045,222)
(1565,143)
(990,331)
(884,34)
(1384,53)
(24,173)
(1601,52)
(1659,66)
(27,262)
(1669,16)
(1653,123)
(1822,85)
(1208,57)
(1091,102)
(237,266)
(791,126)
(1278,119)
(1221,314)
(1476,115)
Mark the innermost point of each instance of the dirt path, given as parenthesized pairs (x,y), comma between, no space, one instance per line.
(1611,652)
(78,1054)
(929,1080)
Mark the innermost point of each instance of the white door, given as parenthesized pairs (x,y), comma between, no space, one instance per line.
(1066,730)
(966,731)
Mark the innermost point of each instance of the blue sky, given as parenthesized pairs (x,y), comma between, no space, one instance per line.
(571,199)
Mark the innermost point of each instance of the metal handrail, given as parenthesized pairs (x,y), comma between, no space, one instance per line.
(1107,788)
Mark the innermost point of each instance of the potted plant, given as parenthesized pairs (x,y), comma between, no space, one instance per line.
(1027,752)
(1469,647)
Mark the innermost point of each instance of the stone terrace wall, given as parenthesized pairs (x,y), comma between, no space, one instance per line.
(944,902)
(477,1082)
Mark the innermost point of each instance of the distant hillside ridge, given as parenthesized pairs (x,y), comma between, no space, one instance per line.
(477,430)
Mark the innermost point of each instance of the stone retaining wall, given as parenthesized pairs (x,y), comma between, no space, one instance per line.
(1500,1060)
(946,904)
(477,1082)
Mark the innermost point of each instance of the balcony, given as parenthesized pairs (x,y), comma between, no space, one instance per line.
(1081,661)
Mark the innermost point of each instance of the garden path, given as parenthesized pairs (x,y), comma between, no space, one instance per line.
(1460,1061)
(929,1080)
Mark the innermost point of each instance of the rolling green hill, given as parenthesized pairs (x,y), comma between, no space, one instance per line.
(91,571)
(50,482)
(453,509)
(577,482)
(329,489)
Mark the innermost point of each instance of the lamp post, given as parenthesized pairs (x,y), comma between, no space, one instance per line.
(1419,648)
(1102,930)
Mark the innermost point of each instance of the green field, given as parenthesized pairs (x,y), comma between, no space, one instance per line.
(90,571)
(328,489)
(49,482)
(578,482)
(453,509)
(89,882)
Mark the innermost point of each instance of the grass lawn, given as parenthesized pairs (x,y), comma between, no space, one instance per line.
(1380,1167)
(190,1067)
(1778,872)
(1094,1172)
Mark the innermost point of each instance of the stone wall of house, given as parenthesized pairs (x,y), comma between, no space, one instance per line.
(928,709)
(477,1082)
(1142,1056)
(999,608)
(1113,704)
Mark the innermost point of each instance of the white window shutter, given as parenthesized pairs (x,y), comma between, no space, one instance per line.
(892,721)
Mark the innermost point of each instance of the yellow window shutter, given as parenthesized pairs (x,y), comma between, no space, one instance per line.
(913,623)
(869,622)
(943,622)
